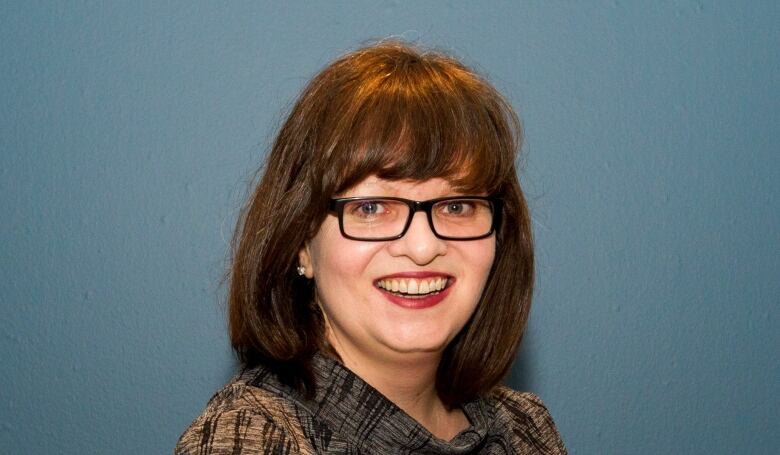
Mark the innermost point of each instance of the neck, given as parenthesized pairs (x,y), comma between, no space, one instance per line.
(409,381)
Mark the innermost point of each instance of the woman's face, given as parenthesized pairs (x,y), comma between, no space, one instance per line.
(364,319)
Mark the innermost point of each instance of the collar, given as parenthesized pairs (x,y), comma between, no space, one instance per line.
(348,406)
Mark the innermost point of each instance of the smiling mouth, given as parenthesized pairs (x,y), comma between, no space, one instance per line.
(414,288)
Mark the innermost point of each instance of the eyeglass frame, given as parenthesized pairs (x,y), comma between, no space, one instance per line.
(496,204)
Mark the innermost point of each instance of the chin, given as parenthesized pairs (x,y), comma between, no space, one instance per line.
(418,347)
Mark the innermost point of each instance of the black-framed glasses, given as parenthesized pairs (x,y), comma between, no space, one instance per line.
(388,218)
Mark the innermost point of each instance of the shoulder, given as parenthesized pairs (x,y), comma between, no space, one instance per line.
(245,419)
(529,420)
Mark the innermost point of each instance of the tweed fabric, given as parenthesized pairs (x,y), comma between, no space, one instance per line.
(257,414)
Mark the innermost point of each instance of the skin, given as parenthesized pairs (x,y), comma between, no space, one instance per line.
(396,349)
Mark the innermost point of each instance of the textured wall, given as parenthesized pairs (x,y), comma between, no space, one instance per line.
(128,133)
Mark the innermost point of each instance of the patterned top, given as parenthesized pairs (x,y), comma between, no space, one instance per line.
(255,413)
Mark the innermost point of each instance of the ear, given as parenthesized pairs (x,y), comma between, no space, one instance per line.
(304,259)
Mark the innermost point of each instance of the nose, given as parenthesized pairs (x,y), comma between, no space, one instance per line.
(419,243)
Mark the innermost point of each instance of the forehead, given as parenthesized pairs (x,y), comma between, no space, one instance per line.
(410,189)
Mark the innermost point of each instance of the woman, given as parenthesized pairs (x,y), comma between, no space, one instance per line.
(382,272)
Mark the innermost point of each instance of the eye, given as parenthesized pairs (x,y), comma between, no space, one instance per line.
(455,207)
(367,209)
(458,208)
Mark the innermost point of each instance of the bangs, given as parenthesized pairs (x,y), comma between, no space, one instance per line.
(419,122)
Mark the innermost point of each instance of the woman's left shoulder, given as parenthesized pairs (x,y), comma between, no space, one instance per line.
(529,418)
(526,403)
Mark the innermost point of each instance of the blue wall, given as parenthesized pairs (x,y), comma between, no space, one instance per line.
(128,134)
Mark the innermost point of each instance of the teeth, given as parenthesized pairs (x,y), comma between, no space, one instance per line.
(413,286)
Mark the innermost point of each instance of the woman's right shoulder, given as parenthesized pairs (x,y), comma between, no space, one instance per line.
(242,418)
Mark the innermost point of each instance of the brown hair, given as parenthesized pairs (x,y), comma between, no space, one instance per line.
(398,112)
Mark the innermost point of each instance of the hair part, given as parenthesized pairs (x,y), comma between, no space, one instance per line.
(401,113)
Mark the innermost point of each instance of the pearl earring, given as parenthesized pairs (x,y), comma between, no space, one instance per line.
(301,270)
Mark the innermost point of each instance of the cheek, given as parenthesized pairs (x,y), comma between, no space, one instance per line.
(340,264)
(481,256)
(478,262)
(342,261)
